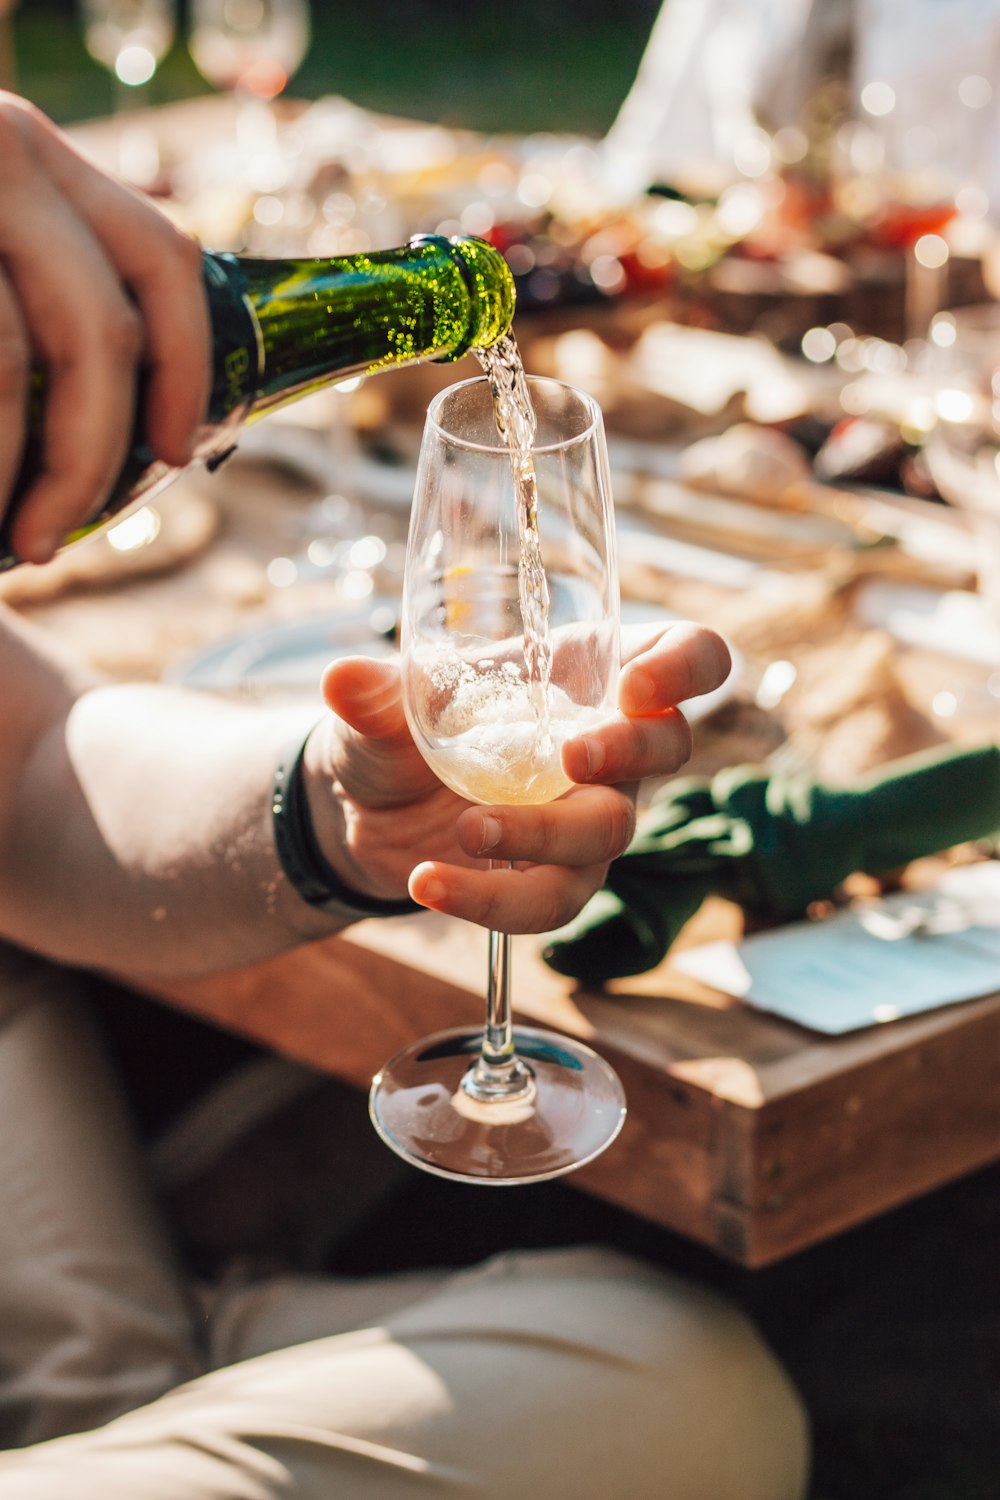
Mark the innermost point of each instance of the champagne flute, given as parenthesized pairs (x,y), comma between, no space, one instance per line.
(130,38)
(250,46)
(510,646)
(962,448)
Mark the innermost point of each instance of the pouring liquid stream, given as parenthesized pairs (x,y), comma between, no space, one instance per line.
(515,420)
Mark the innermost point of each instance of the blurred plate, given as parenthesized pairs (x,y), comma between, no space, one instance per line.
(953,621)
(288,660)
(147,542)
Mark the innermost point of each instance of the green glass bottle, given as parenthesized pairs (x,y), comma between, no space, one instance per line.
(282,329)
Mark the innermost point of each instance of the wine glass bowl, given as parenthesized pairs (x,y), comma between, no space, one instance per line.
(510,646)
(250,49)
(484,726)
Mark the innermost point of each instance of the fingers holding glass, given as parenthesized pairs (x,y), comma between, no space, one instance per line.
(668,665)
(650,737)
(536,899)
(365,694)
(590,825)
(630,749)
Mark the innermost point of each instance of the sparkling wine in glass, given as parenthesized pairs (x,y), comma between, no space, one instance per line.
(510,647)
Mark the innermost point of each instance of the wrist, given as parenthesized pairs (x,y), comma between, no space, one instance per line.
(297,821)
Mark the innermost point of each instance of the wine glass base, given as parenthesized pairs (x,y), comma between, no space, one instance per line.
(572,1110)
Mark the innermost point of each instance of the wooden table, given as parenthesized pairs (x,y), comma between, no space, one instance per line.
(746,1133)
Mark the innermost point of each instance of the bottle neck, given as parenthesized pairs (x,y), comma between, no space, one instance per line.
(281,329)
(293,327)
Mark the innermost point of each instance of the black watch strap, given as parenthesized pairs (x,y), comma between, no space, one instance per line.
(303,860)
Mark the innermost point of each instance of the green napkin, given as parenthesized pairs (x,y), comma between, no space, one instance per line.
(773,844)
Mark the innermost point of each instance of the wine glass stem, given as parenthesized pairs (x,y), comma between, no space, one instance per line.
(498,1073)
(498,1037)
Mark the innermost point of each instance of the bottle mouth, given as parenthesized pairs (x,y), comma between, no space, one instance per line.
(489,283)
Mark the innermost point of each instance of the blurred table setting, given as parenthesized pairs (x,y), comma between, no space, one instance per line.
(780,484)
(795,401)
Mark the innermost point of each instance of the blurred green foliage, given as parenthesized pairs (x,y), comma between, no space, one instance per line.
(521,65)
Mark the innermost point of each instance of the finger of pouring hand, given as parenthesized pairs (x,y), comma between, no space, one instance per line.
(15,361)
(87,337)
(178,359)
(162,269)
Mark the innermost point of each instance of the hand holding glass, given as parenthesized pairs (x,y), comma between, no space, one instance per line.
(505,1105)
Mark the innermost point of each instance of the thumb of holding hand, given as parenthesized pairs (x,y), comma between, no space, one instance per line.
(380,762)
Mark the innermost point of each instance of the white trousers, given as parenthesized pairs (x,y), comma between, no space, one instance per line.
(576,1373)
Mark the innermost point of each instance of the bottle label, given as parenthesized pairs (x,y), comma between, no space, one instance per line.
(237,354)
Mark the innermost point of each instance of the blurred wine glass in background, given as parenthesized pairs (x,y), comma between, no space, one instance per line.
(250,167)
(130,38)
(962,449)
(251,48)
(925,99)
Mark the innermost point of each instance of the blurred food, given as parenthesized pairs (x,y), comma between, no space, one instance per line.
(752,462)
